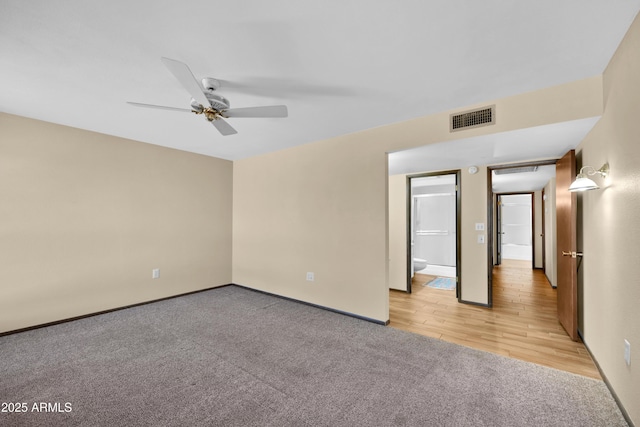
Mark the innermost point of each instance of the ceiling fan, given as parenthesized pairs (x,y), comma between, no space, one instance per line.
(214,107)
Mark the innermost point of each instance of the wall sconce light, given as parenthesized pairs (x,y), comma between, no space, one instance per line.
(582,183)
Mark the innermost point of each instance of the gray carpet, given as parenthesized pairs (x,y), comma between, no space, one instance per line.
(234,357)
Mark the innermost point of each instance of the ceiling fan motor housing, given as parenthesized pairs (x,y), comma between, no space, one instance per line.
(218,103)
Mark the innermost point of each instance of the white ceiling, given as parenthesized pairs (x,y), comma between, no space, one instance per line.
(523,181)
(340,66)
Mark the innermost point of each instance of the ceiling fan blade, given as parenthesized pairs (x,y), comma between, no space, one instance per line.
(223,127)
(258,112)
(184,75)
(162,107)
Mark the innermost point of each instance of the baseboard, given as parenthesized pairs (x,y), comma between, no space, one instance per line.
(346,313)
(84,316)
(549,280)
(625,414)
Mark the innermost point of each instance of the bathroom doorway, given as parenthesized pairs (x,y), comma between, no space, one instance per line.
(515,227)
(433,226)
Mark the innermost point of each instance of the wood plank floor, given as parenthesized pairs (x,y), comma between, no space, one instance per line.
(522,323)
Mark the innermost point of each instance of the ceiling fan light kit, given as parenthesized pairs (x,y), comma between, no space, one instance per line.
(214,107)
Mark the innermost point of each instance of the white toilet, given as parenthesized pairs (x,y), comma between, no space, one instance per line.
(419,264)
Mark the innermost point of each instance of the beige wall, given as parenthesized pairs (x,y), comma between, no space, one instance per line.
(398,232)
(611,229)
(322,207)
(317,208)
(85,217)
(474,257)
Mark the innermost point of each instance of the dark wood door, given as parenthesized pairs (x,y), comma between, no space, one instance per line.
(566,214)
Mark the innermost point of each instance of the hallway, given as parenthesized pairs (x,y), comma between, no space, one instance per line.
(522,323)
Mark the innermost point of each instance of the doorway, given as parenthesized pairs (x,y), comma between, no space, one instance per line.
(515,227)
(433,227)
(526,234)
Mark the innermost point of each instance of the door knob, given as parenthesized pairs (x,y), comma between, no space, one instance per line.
(571,254)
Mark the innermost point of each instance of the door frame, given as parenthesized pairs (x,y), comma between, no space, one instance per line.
(409,200)
(490,217)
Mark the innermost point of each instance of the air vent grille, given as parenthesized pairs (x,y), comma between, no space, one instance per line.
(471,119)
(521,169)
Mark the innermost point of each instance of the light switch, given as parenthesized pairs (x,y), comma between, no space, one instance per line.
(479,226)
(481,238)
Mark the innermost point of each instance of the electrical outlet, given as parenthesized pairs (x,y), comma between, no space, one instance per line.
(155,273)
(310,276)
(627,352)
(480,238)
